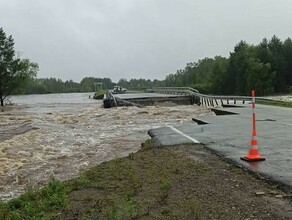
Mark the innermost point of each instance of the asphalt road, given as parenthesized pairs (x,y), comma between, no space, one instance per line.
(230,135)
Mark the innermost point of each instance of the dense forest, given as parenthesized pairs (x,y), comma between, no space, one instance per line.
(266,67)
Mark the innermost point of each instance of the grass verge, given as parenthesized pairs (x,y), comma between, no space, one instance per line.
(179,182)
(36,204)
(275,103)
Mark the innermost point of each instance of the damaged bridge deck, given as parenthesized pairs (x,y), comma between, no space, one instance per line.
(144,99)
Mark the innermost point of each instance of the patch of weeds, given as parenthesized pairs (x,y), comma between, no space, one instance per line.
(96,185)
(115,170)
(195,207)
(121,210)
(146,145)
(128,194)
(80,182)
(134,180)
(36,204)
(165,210)
(112,166)
(165,186)
(113,214)
(128,208)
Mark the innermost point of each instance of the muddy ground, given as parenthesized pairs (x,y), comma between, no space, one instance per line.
(179,182)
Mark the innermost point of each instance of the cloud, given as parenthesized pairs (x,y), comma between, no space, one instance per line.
(72,39)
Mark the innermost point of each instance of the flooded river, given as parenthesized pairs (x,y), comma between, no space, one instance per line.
(59,135)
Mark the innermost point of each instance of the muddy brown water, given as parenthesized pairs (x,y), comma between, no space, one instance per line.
(60,135)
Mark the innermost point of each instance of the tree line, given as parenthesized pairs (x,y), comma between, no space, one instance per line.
(266,67)
(87,84)
(140,84)
(53,85)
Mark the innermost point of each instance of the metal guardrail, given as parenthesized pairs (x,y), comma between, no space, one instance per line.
(202,99)
(118,102)
(192,91)
(107,100)
(195,97)
(112,97)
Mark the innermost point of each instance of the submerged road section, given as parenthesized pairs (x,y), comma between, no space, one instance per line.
(229,135)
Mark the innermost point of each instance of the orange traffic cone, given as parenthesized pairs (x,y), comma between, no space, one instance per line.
(253,153)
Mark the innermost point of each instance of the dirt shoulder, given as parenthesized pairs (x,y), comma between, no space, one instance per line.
(179,182)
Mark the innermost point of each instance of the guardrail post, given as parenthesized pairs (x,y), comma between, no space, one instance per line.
(216,102)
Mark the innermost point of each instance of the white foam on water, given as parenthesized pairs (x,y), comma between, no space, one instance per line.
(70,140)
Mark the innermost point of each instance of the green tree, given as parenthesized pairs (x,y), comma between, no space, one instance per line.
(236,78)
(34,86)
(278,63)
(287,47)
(220,71)
(71,86)
(170,80)
(87,84)
(259,77)
(123,82)
(27,71)
(14,72)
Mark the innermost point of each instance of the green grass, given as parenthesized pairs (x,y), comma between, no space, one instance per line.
(36,204)
(165,186)
(195,207)
(275,103)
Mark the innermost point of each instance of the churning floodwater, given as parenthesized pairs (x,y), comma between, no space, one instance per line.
(60,135)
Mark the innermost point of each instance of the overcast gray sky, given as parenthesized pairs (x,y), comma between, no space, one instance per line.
(71,39)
